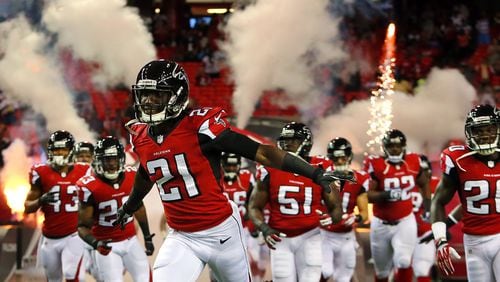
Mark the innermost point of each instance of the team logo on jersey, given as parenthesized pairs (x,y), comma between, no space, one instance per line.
(220,121)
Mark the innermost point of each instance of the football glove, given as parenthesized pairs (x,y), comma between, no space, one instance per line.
(48,198)
(395,194)
(324,218)
(348,219)
(102,246)
(148,242)
(445,254)
(271,236)
(122,217)
(325,178)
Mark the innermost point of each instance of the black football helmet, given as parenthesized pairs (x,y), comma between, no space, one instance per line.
(296,131)
(482,129)
(83,152)
(60,139)
(167,85)
(109,158)
(340,148)
(230,165)
(394,136)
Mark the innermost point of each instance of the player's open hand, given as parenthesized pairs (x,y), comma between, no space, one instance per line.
(327,177)
(445,254)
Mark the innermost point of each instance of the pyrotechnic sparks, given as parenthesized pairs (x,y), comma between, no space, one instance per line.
(380,101)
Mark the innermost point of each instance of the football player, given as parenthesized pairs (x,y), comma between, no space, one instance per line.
(474,171)
(292,233)
(423,256)
(54,191)
(84,152)
(101,194)
(393,230)
(179,149)
(338,240)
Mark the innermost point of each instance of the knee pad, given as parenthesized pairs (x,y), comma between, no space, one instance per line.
(402,261)
(422,268)
(311,274)
(282,264)
(312,251)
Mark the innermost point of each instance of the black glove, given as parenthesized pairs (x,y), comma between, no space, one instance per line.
(324,178)
(271,236)
(148,242)
(102,246)
(122,217)
(48,198)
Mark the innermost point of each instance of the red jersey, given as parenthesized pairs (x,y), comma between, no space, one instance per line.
(478,189)
(61,217)
(186,168)
(293,199)
(394,176)
(349,193)
(418,206)
(107,199)
(237,191)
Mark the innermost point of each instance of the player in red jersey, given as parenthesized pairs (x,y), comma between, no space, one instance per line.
(393,230)
(423,256)
(473,171)
(237,185)
(101,194)
(293,200)
(84,152)
(338,240)
(180,149)
(53,190)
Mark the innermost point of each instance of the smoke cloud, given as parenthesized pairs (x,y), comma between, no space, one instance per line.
(429,119)
(280,44)
(30,74)
(107,32)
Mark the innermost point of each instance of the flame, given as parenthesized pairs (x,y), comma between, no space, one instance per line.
(380,101)
(16,189)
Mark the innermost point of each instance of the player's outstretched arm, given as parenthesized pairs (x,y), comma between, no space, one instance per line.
(422,181)
(443,195)
(142,219)
(332,200)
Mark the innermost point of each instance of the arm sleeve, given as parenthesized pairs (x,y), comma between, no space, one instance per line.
(233,142)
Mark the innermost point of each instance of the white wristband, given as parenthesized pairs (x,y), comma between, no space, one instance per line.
(439,230)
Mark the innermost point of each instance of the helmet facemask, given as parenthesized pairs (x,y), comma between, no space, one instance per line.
(110,166)
(231,164)
(483,138)
(58,159)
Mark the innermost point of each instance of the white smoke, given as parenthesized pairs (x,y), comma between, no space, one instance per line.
(29,73)
(107,32)
(280,44)
(429,119)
